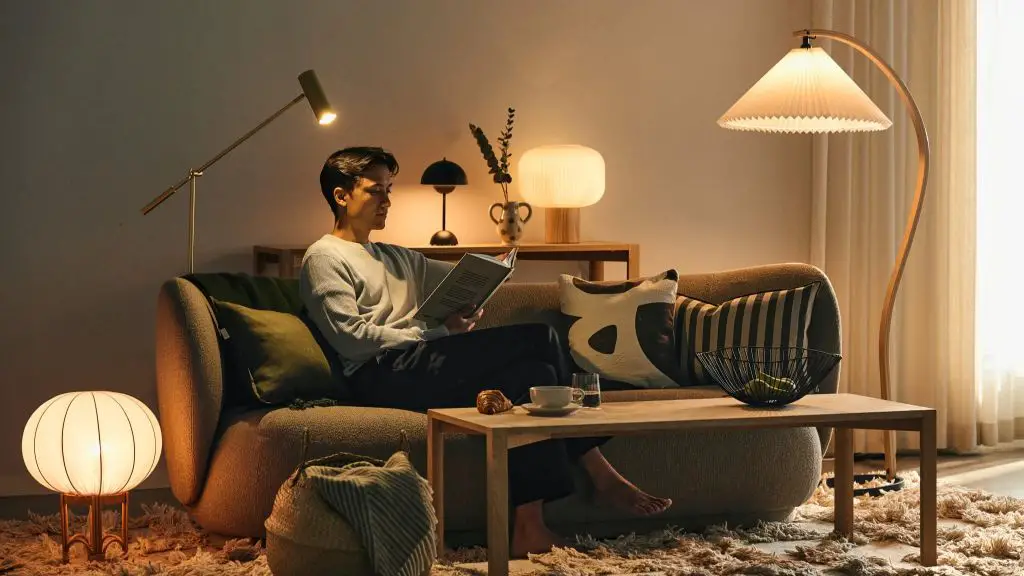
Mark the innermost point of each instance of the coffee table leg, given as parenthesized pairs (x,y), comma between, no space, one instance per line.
(497,504)
(929,511)
(844,482)
(435,475)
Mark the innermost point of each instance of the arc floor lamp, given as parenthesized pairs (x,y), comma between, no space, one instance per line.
(312,92)
(807,92)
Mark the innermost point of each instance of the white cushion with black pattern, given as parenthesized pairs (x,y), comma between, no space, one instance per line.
(623,331)
(777,318)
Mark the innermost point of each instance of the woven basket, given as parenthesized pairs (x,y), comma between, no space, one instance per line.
(305,536)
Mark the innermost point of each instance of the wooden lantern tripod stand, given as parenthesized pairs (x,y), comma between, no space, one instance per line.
(94,540)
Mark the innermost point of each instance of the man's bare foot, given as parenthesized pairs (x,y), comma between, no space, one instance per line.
(626,497)
(530,535)
(612,488)
(534,540)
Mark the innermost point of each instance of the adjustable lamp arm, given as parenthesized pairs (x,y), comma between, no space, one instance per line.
(199,171)
(311,91)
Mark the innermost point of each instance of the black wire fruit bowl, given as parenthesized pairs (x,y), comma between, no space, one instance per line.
(766,376)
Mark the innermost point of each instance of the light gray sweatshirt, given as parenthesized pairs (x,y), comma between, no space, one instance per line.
(363,297)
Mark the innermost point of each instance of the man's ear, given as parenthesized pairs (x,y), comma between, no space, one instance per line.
(340,196)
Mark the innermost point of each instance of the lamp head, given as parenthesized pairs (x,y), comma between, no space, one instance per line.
(317,99)
(444,175)
(805,92)
(91,443)
(561,176)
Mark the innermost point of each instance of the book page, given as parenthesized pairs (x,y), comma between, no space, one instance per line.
(469,284)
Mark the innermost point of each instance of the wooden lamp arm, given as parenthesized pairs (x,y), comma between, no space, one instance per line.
(923,161)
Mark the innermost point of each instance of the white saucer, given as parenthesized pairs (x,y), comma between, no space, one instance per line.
(537,410)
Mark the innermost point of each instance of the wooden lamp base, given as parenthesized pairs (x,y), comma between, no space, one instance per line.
(562,225)
(94,540)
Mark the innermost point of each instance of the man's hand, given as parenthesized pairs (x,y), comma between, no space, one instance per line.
(463,321)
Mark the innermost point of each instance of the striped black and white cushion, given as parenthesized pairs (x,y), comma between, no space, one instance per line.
(764,319)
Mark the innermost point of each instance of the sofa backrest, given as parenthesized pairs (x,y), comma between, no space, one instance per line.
(260,292)
(517,303)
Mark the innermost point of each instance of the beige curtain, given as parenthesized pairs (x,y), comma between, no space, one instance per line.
(1000,233)
(863,186)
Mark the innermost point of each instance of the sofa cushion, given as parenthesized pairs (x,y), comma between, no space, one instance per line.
(272,357)
(261,293)
(624,330)
(763,319)
(685,393)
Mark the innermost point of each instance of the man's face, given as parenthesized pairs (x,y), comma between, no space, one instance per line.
(366,207)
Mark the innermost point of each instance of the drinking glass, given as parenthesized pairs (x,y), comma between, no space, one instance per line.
(590,384)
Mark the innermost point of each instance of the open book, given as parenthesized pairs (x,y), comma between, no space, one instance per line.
(469,285)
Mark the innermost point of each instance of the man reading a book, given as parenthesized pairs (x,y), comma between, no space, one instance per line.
(363,297)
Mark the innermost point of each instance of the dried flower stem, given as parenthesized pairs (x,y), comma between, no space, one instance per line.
(498,167)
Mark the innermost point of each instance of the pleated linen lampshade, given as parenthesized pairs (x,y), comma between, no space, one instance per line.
(805,92)
(562,179)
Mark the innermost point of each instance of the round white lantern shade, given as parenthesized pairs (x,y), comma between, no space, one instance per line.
(91,443)
(563,176)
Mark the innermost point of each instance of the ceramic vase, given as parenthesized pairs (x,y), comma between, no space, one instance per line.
(510,221)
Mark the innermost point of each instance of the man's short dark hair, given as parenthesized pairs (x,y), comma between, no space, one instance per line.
(343,168)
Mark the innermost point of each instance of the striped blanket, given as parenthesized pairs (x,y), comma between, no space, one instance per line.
(389,506)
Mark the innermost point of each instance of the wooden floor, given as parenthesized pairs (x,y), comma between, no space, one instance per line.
(999,472)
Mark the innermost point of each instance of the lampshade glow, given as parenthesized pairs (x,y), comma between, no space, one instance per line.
(315,96)
(563,176)
(91,443)
(805,92)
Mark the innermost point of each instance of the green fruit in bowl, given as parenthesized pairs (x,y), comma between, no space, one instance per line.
(764,385)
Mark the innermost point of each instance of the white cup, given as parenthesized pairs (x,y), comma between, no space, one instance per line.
(554,396)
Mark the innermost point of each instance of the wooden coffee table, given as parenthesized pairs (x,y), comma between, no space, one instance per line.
(844,412)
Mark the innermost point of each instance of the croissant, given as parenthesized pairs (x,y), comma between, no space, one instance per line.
(492,402)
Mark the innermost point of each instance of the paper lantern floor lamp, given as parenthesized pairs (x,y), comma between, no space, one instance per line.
(807,92)
(444,175)
(92,448)
(561,179)
(314,95)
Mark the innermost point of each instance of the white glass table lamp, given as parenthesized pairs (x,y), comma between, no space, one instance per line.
(562,179)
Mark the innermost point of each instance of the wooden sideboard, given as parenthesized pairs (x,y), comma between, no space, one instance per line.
(289,258)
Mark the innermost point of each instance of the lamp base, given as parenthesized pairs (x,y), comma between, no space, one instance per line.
(894,485)
(94,540)
(443,238)
(562,225)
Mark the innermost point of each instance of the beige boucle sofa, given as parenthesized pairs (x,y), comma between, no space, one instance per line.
(226,464)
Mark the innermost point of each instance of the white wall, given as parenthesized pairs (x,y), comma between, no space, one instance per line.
(107,103)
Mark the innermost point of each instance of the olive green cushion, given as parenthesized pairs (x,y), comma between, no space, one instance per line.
(273,357)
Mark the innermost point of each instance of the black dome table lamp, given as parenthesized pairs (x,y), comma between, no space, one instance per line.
(444,175)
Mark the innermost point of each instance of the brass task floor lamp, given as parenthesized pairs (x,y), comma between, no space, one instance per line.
(807,92)
(311,91)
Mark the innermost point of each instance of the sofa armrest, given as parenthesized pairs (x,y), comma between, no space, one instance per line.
(189,384)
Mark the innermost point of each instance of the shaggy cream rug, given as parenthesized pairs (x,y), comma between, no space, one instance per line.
(979,534)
